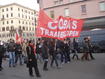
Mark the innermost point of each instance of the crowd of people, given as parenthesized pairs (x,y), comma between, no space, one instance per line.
(44,51)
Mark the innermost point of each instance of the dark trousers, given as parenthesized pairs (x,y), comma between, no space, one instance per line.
(1,61)
(35,68)
(18,57)
(67,57)
(75,54)
(90,53)
(85,56)
(62,57)
(45,64)
(54,58)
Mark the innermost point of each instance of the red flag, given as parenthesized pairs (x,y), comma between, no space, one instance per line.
(18,37)
(60,28)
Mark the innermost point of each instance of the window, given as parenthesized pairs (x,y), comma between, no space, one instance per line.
(60,1)
(23,28)
(3,35)
(19,22)
(2,10)
(23,22)
(83,8)
(11,8)
(35,21)
(52,14)
(66,12)
(56,2)
(11,14)
(3,16)
(18,14)
(27,28)
(22,10)
(18,9)
(11,21)
(33,29)
(12,27)
(32,18)
(3,28)
(26,22)
(7,28)
(7,22)
(3,23)
(30,28)
(26,17)
(7,15)
(6,9)
(102,6)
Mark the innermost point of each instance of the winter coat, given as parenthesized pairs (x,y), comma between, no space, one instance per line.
(31,55)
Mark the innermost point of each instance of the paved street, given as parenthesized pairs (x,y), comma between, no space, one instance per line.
(94,69)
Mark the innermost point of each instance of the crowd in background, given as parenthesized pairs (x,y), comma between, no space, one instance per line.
(44,51)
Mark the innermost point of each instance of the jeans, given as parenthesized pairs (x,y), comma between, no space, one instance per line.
(54,58)
(11,59)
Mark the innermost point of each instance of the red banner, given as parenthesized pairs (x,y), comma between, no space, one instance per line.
(60,28)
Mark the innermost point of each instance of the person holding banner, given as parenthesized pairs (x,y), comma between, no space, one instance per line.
(66,51)
(75,49)
(53,52)
(44,51)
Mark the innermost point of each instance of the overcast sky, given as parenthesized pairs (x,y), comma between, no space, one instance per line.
(27,3)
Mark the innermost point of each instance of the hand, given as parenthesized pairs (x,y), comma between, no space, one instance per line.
(30,59)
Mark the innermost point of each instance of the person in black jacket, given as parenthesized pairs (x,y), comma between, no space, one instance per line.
(67,52)
(53,53)
(11,50)
(44,50)
(18,53)
(32,61)
(2,51)
(75,49)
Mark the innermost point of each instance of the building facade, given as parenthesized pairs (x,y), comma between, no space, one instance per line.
(17,17)
(91,11)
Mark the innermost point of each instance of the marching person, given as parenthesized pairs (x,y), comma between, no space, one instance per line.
(44,50)
(11,50)
(75,49)
(18,52)
(90,48)
(32,61)
(2,51)
(85,49)
(53,53)
(66,51)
